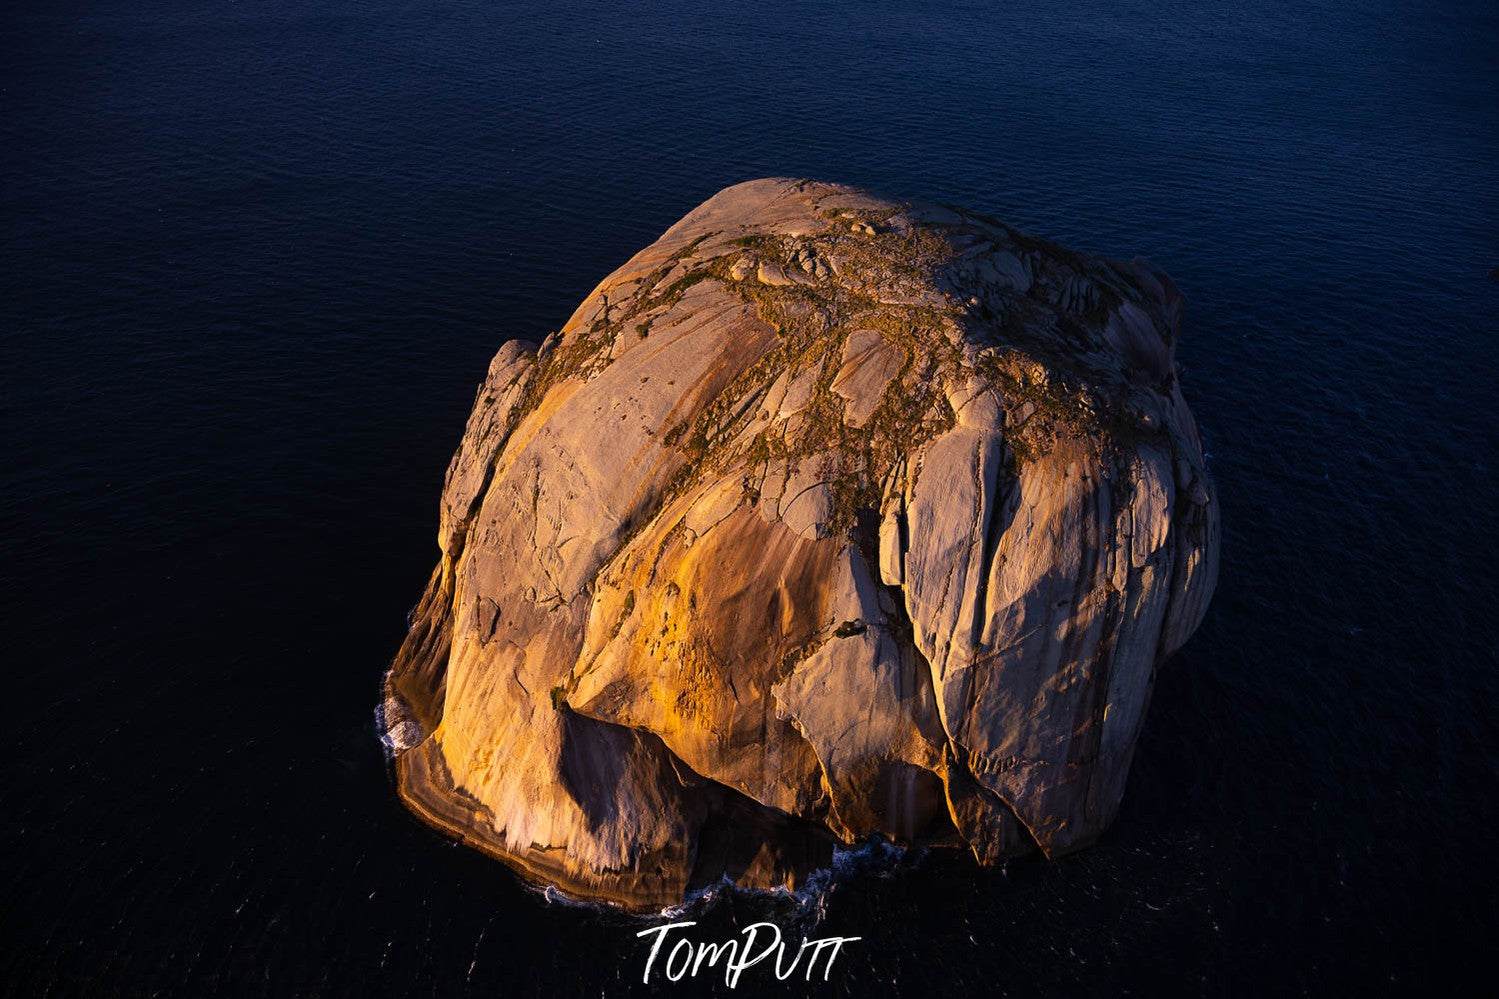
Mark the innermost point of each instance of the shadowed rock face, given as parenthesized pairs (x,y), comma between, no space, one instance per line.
(825,516)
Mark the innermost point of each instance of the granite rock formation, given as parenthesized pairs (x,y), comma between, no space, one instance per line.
(827,516)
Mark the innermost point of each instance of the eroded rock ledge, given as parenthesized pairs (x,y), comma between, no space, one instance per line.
(826,516)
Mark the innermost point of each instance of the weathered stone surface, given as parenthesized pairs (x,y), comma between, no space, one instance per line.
(825,516)
(869,363)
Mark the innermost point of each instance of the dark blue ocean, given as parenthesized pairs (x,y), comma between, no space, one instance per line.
(255,256)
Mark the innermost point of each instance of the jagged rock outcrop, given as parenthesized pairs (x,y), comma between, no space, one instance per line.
(826,516)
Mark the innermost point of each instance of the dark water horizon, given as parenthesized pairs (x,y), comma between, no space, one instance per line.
(255,257)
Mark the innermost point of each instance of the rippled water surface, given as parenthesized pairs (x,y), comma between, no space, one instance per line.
(254,259)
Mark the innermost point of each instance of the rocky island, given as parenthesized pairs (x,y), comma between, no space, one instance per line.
(826,516)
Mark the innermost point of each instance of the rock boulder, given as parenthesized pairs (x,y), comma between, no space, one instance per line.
(827,516)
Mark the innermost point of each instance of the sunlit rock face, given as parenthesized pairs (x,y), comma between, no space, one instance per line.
(826,516)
